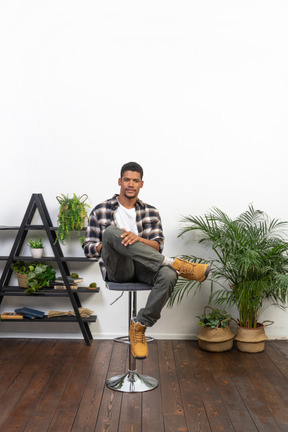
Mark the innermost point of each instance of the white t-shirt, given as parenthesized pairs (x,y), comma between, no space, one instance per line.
(126,218)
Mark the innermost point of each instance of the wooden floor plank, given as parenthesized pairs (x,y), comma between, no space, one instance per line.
(131,413)
(272,367)
(30,384)
(282,346)
(262,382)
(238,367)
(216,411)
(11,401)
(152,400)
(16,356)
(235,407)
(71,398)
(110,409)
(173,410)
(194,409)
(91,400)
(277,353)
(48,402)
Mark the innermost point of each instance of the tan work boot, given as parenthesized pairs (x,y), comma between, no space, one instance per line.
(138,341)
(191,271)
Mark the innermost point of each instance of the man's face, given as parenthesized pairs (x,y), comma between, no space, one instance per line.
(130,184)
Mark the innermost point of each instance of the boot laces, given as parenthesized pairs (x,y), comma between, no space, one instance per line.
(187,267)
(139,335)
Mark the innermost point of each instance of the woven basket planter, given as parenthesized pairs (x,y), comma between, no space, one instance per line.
(216,340)
(22,280)
(252,340)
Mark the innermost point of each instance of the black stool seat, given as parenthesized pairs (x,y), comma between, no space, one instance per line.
(131,381)
(128,286)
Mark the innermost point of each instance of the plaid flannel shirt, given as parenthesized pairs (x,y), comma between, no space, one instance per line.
(147,219)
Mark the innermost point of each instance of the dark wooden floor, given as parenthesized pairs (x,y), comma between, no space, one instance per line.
(59,385)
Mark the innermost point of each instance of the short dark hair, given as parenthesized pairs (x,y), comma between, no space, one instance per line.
(131,166)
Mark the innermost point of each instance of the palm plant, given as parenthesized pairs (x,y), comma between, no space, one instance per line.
(251,264)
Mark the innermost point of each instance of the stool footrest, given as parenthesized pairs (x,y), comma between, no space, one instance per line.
(125,339)
(132,382)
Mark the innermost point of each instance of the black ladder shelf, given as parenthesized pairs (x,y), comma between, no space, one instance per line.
(37,202)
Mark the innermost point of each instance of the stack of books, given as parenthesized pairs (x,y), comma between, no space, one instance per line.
(70,280)
(73,282)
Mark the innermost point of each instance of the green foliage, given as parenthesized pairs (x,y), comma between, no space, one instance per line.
(71,217)
(217,318)
(39,275)
(35,243)
(250,268)
(20,267)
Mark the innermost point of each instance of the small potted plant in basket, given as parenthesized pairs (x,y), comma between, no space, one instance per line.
(36,246)
(215,334)
(33,276)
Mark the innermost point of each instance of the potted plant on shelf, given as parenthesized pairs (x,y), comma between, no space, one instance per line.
(215,334)
(249,270)
(71,217)
(33,276)
(36,246)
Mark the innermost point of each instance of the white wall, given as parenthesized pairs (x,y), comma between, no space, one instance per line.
(194,91)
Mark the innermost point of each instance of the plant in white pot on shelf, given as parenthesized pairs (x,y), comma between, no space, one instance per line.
(36,246)
(250,269)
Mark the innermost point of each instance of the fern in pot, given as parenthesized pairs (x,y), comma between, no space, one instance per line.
(249,270)
(71,217)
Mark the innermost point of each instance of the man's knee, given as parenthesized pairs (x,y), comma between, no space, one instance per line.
(111,232)
(169,275)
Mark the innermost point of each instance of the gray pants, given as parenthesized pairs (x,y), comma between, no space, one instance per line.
(138,263)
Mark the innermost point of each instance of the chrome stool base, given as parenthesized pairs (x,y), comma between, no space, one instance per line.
(132,382)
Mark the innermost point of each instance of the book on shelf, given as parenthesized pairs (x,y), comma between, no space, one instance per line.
(63,287)
(30,313)
(70,280)
(11,316)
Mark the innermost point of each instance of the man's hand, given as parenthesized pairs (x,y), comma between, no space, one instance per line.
(129,238)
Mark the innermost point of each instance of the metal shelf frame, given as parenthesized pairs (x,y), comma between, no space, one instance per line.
(37,203)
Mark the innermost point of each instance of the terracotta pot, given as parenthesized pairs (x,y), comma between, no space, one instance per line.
(215,340)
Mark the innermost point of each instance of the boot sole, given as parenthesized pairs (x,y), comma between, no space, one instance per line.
(138,357)
(207,271)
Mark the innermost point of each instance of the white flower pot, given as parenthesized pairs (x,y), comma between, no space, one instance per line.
(37,253)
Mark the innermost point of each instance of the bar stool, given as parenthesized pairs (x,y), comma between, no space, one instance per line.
(131,381)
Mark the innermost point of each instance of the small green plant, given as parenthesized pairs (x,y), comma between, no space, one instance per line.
(35,243)
(71,217)
(217,318)
(39,275)
(20,267)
